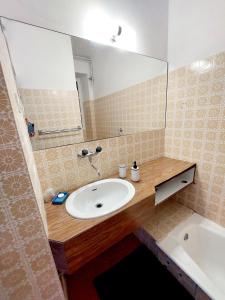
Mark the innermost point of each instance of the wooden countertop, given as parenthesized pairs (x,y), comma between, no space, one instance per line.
(62,227)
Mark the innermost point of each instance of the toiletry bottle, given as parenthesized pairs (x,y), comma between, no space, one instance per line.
(122,171)
(49,194)
(135,174)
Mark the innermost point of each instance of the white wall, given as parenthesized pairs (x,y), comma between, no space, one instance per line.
(42,59)
(114,70)
(196,30)
(147,17)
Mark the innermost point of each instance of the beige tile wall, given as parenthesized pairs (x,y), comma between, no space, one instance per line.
(168,215)
(138,108)
(89,118)
(27,270)
(60,169)
(52,109)
(195,131)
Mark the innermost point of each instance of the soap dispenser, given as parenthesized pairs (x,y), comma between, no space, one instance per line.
(135,174)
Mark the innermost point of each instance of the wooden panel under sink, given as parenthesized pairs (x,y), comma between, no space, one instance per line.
(76,252)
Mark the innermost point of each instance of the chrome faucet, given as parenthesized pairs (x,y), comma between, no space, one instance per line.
(89,154)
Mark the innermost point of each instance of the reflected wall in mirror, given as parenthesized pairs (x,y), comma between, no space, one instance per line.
(74,90)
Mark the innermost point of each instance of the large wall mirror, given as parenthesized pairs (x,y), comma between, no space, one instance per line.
(74,90)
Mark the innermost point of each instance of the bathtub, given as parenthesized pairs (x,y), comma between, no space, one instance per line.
(197,246)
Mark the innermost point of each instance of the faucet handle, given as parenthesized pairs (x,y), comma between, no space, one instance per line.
(98,149)
(84,152)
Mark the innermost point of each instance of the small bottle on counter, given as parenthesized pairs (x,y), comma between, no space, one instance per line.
(49,194)
(135,174)
(122,171)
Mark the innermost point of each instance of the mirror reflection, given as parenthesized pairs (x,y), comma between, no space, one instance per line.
(73,90)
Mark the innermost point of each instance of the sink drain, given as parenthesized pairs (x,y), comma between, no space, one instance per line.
(99,205)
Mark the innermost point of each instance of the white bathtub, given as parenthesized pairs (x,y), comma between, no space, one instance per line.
(202,255)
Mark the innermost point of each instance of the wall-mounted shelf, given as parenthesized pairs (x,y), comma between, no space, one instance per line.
(172,186)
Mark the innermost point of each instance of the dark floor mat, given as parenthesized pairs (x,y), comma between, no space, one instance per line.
(139,276)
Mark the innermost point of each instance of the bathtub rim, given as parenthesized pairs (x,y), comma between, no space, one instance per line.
(170,244)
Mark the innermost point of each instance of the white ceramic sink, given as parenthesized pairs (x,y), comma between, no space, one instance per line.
(99,198)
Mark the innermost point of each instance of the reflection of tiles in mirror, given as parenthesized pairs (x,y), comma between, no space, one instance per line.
(52,109)
(138,108)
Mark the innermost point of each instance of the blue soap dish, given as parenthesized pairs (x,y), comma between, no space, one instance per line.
(60,198)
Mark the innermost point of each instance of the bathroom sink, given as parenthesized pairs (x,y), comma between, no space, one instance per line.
(99,198)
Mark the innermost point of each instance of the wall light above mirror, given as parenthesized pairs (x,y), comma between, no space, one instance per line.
(74,90)
(100,28)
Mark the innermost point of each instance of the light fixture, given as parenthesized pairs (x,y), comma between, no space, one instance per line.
(114,37)
(101,28)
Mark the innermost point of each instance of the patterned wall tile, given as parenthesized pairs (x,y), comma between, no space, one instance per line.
(167,216)
(195,131)
(25,254)
(60,169)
